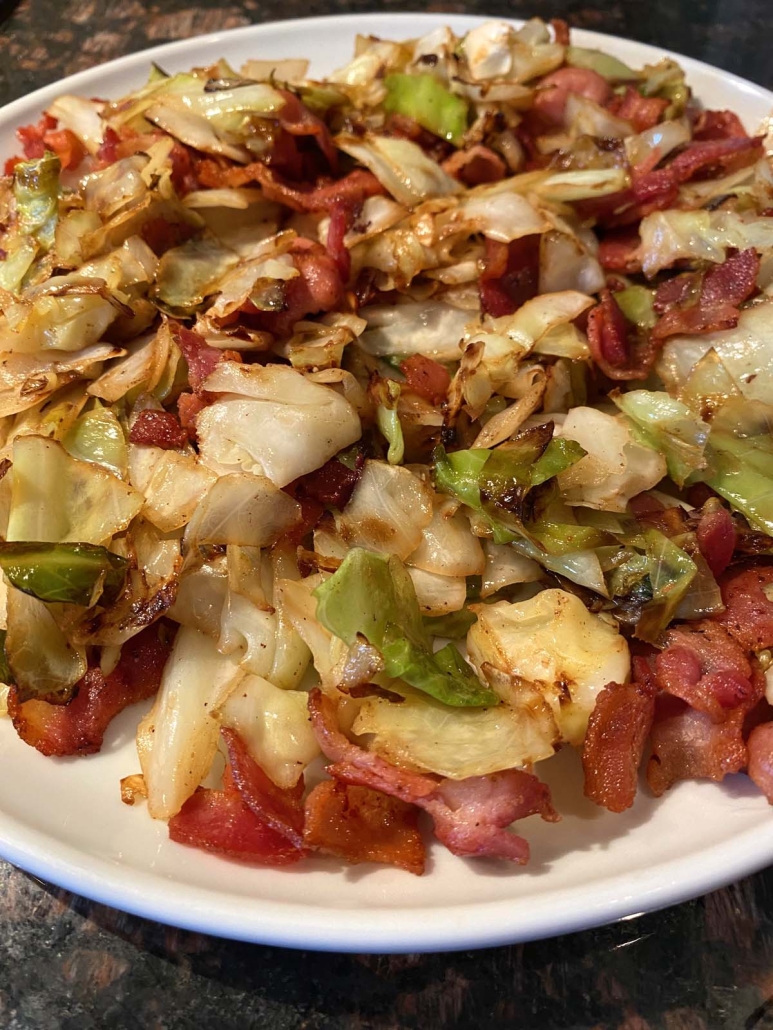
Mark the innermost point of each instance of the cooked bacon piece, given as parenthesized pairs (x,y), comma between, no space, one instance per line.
(705,667)
(188,407)
(619,252)
(554,90)
(748,615)
(687,745)
(363,825)
(298,120)
(470,815)
(760,747)
(560,31)
(333,484)
(614,743)
(706,156)
(698,302)
(510,275)
(78,727)
(716,536)
(161,235)
(352,189)
(609,339)
(718,125)
(32,137)
(317,288)
(219,821)
(281,809)
(200,357)
(642,112)
(67,147)
(474,166)
(159,429)
(428,378)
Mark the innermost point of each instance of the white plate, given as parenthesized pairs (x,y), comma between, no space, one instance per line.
(62,819)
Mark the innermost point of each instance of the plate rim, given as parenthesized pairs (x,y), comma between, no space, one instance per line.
(387,930)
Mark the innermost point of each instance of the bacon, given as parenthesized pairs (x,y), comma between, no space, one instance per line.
(760,748)
(317,288)
(510,275)
(726,155)
(718,125)
(470,816)
(363,825)
(716,537)
(697,302)
(159,429)
(642,112)
(333,484)
(614,743)
(748,615)
(67,147)
(610,344)
(704,666)
(199,356)
(298,120)
(281,809)
(554,90)
(425,377)
(477,165)
(161,235)
(687,745)
(340,222)
(188,407)
(619,252)
(560,31)
(219,821)
(78,728)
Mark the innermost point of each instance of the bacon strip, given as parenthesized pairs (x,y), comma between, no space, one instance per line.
(510,275)
(705,667)
(555,89)
(706,302)
(614,743)
(619,252)
(280,809)
(363,825)
(476,165)
(425,377)
(687,745)
(200,357)
(470,815)
(748,615)
(220,821)
(159,429)
(716,535)
(298,120)
(332,484)
(718,125)
(317,288)
(78,728)
(642,112)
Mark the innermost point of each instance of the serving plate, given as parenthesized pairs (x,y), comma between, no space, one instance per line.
(63,819)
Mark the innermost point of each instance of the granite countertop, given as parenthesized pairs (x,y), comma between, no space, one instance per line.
(69,964)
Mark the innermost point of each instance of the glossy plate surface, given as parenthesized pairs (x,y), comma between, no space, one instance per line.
(63,820)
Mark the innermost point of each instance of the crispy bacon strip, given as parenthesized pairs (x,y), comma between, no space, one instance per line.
(706,302)
(200,357)
(280,809)
(425,377)
(614,743)
(332,484)
(748,615)
(554,90)
(718,125)
(619,252)
(510,275)
(363,825)
(298,120)
(760,746)
(477,165)
(159,429)
(78,728)
(705,667)
(470,816)
(642,112)
(317,288)
(220,821)
(687,745)
(717,536)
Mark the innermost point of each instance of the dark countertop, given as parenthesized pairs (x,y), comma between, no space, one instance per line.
(69,964)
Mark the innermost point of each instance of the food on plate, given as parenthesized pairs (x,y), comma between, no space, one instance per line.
(391,432)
